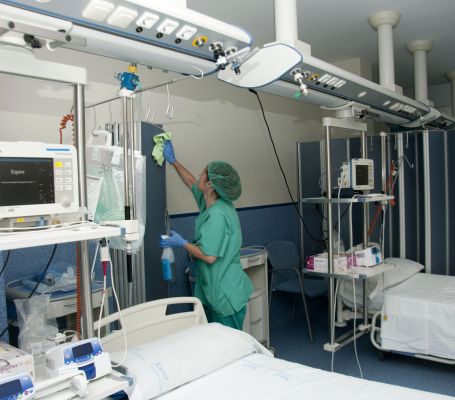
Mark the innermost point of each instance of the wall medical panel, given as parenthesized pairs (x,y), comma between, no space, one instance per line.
(155,226)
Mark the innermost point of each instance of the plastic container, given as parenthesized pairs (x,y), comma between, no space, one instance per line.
(168,263)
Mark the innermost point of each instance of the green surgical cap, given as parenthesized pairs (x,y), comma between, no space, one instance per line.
(225,180)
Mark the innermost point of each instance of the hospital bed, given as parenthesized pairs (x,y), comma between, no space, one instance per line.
(179,356)
(416,311)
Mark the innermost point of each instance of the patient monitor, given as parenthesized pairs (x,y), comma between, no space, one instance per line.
(37,179)
(358,174)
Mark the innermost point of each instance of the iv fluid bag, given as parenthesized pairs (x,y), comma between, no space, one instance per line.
(106,162)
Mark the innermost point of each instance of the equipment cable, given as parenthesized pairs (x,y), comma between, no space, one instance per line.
(1,273)
(4,330)
(37,283)
(5,264)
(353,289)
(44,272)
(281,168)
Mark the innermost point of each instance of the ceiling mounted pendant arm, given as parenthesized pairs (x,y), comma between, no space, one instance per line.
(149,32)
(54,33)
(323,84)
(261,67)
(234,59)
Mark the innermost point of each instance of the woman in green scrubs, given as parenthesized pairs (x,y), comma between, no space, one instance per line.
(221,284)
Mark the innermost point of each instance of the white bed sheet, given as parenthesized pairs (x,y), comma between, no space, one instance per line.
(419,316)
(262,377)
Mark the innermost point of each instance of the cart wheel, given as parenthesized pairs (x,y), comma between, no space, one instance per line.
(381,355)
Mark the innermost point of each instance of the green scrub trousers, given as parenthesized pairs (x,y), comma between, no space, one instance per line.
(234,321)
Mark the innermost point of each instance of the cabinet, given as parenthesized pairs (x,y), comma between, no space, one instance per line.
(254,263)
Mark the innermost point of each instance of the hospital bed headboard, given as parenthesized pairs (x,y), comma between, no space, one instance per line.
(149,321)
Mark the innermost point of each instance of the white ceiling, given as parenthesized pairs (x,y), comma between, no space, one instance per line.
(338,29)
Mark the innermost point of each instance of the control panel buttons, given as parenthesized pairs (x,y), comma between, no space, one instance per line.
(65,201)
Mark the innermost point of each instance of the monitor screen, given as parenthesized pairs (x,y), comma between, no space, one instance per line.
(10,388)
(361,174)
(26,181)
(82,350)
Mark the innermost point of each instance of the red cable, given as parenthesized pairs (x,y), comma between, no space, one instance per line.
(78,291)
(63,122)
(389,186)
(105,268)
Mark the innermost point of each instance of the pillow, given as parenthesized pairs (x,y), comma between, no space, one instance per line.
(403,270)
(164,364)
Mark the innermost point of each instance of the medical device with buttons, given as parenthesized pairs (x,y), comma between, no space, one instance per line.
(16,387)
(37,179)
(358,174)
(86,355)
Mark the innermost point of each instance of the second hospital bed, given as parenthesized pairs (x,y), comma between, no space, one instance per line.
(179,356)
(416,311)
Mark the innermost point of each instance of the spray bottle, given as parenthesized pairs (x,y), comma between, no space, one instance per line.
(167,262)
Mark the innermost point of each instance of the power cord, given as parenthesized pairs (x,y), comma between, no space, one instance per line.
(281,168)
(337,282)
(333,321)
(4,330)
(125,339)
(44,272)
(355,329)
(5,264)
(353,289)
(106,262)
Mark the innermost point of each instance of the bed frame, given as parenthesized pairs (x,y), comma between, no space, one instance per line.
(152,320)
(375,340)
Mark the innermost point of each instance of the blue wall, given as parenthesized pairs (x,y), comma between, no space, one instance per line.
(260,225)
(31,262)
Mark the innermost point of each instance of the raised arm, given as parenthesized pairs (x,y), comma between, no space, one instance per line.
(186,176)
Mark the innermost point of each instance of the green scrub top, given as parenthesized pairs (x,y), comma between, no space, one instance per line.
(222,286)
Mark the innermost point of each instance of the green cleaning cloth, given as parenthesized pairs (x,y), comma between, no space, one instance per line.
(157,152)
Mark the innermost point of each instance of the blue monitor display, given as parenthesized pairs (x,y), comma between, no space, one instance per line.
(8,389)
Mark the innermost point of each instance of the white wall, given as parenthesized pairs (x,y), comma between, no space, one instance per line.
(211,121)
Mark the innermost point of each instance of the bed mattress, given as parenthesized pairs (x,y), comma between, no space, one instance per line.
(258,376)
(419,316)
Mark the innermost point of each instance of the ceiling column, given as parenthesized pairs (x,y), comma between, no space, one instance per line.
(419,49)
(384,22)
(451,77)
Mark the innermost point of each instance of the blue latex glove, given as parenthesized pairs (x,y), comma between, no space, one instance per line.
(168,152)
(173,241)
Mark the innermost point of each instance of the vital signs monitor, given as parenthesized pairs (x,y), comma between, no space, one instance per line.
(37,179)
(358,174)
